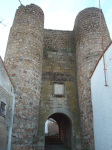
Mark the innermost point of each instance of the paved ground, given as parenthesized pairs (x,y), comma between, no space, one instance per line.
(56,147)
(54,143)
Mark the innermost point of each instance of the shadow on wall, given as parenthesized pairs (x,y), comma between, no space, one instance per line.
(3,137)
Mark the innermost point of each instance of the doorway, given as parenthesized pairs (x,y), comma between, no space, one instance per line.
(63,135)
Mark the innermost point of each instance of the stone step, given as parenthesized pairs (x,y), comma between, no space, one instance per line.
(52,140)
(56,143)
(56,147)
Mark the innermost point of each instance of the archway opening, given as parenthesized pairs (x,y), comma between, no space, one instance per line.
(51,128)
(63,134)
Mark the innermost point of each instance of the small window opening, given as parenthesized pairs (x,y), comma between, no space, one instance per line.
(3,109)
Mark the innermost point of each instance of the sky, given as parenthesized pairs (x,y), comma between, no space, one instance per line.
(59,14)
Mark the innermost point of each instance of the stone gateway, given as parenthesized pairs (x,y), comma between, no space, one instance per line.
(51,70)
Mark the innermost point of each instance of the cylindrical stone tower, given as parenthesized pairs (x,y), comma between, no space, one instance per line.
(23,60)
(88,43)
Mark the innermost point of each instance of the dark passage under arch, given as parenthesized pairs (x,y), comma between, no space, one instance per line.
(64,124)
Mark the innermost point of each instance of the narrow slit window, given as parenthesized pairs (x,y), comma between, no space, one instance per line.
(3,109)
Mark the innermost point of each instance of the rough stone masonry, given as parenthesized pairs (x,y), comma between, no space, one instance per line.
(37,59)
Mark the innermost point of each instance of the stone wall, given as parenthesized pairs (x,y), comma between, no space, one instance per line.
(68,58)
(66,135)
(88,50)
(59,67)
(24,62)
(52,128)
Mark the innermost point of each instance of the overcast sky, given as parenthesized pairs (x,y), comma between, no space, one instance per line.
(59,14)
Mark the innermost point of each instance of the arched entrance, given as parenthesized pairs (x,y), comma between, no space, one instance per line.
(64,124)
(69,131)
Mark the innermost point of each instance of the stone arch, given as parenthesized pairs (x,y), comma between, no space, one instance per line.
(64,123)
(68,117)
(58,110)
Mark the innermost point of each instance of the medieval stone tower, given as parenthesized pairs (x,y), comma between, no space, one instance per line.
(51,72)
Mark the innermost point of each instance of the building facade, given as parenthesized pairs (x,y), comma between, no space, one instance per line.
(51,72)
(7,101)
(102,101)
